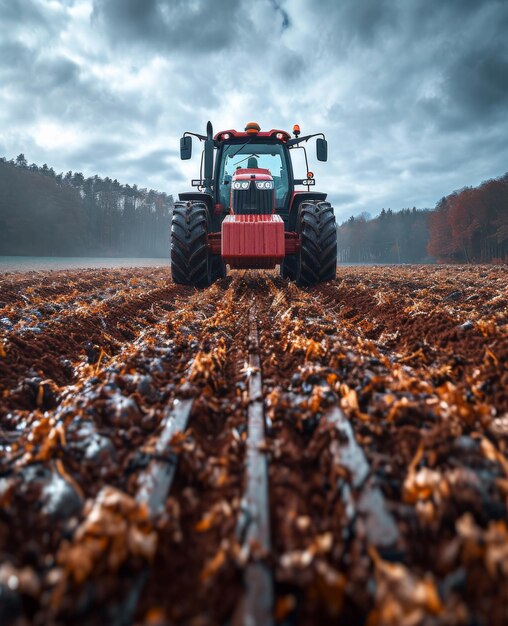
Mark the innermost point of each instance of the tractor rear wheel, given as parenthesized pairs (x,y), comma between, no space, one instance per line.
(191,261)
(317,259)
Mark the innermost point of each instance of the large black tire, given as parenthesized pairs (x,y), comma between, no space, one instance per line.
(219,269)
(289,267)
(317,259)
(191,261)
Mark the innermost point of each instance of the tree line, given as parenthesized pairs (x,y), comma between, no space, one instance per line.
(391,237)
(467,226)
(43,213)
(471,225)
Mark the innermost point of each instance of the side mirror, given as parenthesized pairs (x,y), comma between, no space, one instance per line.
(185,148)
(322,149)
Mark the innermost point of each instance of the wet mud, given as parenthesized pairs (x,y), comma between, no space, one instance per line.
(386,406)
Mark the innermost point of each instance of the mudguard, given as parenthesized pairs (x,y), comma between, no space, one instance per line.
(296,201)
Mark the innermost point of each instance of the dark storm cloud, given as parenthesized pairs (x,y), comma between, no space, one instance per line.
(35,74)
(365,20)
(57,87)
(459,43)
(28,19)
(110,158)
(99,150)
(154,165)
(196,27)
(155,161)
(450,16)
(478,83)
(15,56)
(469,63)
(423,78)
(291,65)
(354,23)
(15,12)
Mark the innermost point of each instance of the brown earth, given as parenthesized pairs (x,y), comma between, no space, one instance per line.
(417,359)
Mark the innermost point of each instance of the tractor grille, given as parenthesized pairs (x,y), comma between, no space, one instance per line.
(252,201)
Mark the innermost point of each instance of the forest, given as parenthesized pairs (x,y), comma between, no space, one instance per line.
(467,226)
(471,225)
(43,213)
(391,237)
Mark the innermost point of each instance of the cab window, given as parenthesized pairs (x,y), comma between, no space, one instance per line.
(267,156)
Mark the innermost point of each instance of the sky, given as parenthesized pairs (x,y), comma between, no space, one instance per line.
(411,94)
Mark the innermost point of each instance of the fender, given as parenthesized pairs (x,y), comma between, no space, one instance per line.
(207,199)
(296,200)
(197,196)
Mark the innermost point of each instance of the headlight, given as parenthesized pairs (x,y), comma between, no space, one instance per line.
(240,184)
(264,184)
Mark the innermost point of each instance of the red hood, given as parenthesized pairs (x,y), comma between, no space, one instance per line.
(259,173)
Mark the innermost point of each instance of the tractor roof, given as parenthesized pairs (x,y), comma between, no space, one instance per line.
(225,135)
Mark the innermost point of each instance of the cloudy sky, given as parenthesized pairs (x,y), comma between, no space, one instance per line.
(412,94)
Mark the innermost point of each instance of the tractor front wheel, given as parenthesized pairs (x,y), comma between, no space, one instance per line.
(191,261)
(289,267)
(317,260)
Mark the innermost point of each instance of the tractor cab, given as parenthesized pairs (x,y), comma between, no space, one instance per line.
(250,157)
(247,212)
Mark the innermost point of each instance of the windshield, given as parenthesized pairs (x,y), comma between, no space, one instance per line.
(267,156)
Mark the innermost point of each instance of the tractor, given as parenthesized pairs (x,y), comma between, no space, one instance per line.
(247,213)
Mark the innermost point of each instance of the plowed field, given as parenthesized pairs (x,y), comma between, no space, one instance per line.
(385,397)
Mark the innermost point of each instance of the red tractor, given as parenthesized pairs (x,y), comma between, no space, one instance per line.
(246,212)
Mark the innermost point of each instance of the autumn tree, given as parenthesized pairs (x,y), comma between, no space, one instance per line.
(471,225)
